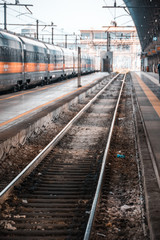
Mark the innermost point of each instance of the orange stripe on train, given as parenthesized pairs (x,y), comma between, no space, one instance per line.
(12,67)
(15,67)
(35,67)
(52,67)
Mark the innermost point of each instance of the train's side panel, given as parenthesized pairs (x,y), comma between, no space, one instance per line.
(75,62)
(88,64)
(68,63)
(26,61)
(91,65)
(55,62)
(35,61)
(84,63)
(11,64)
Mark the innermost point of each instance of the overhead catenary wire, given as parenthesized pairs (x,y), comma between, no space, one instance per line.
(25,16)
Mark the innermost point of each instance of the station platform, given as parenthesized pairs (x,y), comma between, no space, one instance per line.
(26,112)
(147,89)
(16,107)
(21,108)
(148,92)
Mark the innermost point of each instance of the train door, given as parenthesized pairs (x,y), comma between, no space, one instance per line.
(23,47)
(48,63)
(106,65)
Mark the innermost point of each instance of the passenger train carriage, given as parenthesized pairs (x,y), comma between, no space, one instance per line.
(25,61)
(11,61)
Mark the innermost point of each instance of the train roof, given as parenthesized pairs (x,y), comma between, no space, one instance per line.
(67,51)
(9,36)
(52,47)
(32,42)
(9,40)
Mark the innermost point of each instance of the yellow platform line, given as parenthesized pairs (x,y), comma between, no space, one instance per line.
(43,105)
(150,95)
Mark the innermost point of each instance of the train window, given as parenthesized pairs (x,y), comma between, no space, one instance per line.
(50,58)
(18,55)
(45,59)
(34,54)
(104,35)
(97,36)
(53,59)
(37,57)
(40,57)
(29,56)
(2,53)
(1,41)
(120,35)
(127,35)
(26,57)
(85,36)
(112,35)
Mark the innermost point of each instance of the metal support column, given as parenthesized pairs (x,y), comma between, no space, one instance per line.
(108,41)
(52,35)
(66,41)
(37,22)
(5,16)
(79,67)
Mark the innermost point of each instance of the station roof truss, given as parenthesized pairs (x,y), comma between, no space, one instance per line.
(146,16)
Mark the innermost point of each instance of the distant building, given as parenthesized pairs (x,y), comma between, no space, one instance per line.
(122,41)
(28,32)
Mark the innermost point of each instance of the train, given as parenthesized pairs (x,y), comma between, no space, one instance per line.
(25,61)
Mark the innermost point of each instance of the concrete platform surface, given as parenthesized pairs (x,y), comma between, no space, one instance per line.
(147,89)
(16,107)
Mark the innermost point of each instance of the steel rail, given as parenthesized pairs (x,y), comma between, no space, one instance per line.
(138,157)
(32,165)
(99,185)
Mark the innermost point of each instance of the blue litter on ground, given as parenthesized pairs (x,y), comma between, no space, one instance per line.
(120,156)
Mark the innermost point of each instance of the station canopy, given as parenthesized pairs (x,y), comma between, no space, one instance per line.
(145,14)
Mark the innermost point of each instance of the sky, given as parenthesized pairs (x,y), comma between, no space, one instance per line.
(68,15)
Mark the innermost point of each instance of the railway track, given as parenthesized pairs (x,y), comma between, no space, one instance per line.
(55,201)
